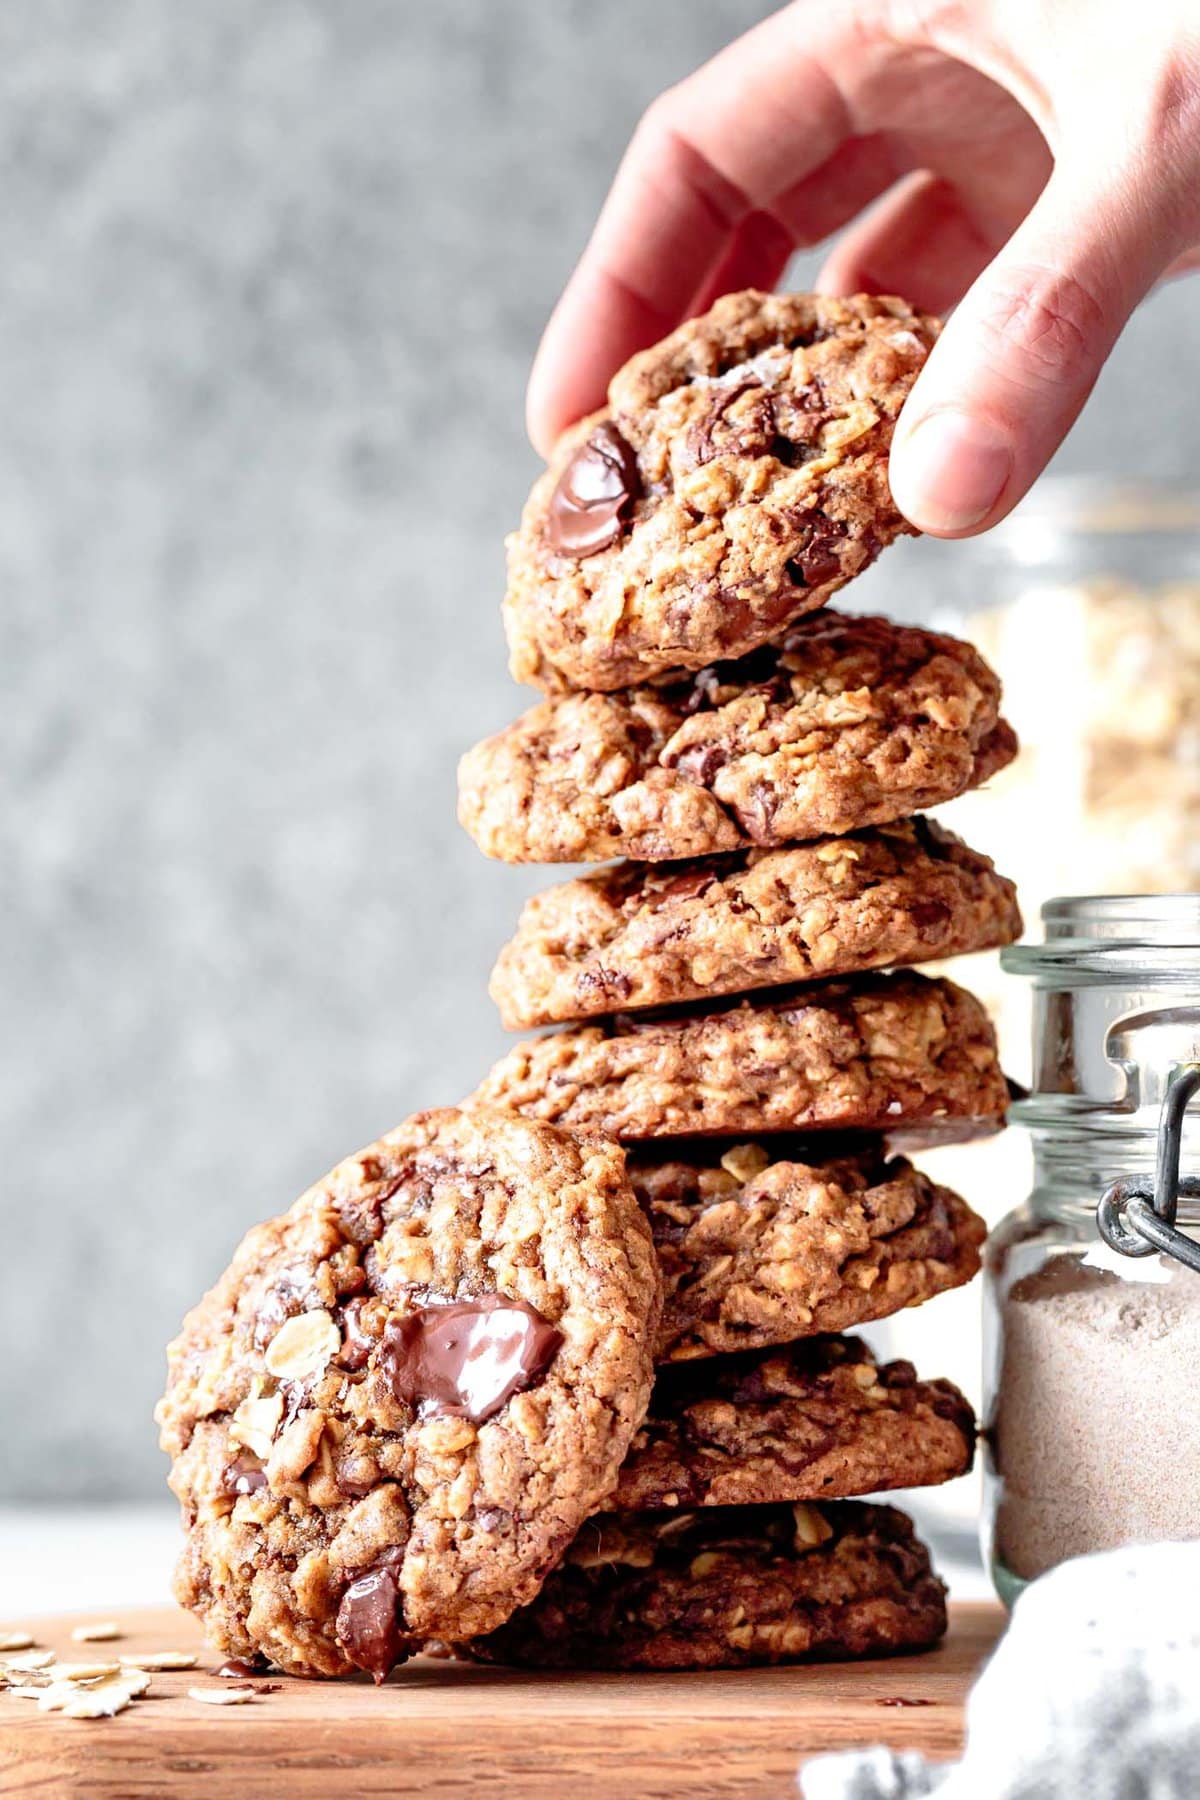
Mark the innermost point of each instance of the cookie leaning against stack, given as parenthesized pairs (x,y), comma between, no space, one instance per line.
(737,1006)
(395,1409)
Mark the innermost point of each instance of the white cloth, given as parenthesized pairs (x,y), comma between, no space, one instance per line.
(1092,1694)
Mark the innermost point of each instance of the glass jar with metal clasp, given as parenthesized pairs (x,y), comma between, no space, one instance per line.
(1092,1300)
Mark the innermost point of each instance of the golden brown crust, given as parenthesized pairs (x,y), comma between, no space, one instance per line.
(767,1241)
(816,1420)
(728,1587)
(297,1480)
(636,936)
(849,721)
(874,1054)
(756,443)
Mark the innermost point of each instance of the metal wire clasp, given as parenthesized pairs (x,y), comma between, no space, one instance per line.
(1139,1219)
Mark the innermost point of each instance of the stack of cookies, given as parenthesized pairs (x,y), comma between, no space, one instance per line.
(558,1378)
(735,1002)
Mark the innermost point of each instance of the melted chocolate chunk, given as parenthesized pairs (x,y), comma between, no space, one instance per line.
(739,422)
(236,1670)
(469,1357)
(370,1623)
(595,494)
(356,1344)
(819,561)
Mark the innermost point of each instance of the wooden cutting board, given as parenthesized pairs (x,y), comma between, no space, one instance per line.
(455,1730)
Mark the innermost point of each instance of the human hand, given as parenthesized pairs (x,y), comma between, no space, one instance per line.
(1036,160)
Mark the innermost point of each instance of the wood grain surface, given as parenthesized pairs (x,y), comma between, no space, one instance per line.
(458,1731)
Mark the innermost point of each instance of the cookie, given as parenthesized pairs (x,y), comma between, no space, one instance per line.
(875,1054)
(727,1587)
(849,721)
(639,934)
(736,479)
(815,1420)
(392,1412)
(768,1241)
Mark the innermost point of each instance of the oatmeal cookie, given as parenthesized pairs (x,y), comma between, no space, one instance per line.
(817,1420)
(640,935)
(767,1241)
(849,721)
(727,1587)
(736,479)
(875,1054)
(391,1414)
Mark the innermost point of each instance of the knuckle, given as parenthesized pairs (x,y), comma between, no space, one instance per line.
(1047,319)
(937,19)
(658,122)
(1169,99)
(1166,136)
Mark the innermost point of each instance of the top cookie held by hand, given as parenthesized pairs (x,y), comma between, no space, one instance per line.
(736,479)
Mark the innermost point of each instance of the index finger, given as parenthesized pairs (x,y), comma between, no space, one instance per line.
(734,139)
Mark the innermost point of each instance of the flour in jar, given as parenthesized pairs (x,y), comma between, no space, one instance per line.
(1096,1425)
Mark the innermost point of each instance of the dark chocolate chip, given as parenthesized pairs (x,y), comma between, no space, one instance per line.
(699,763)
(733,425)
(612,983)
(927,913)
(356,1344)
(370,1625)
(236,1670)
(689,886)
(705,686)
(816,564)
(243,1476)
(595,494)
(469,1357)
(759,812)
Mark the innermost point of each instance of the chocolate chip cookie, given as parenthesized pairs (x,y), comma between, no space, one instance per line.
(727,1587)
(736,479)
(640,934)
(815,1420)
(767,1241)
(849,721)
(874,1054)
(391,1414)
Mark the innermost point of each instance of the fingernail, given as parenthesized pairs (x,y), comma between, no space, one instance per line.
(950,471)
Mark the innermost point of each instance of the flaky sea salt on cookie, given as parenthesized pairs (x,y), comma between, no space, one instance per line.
(393,1411)
(736,479)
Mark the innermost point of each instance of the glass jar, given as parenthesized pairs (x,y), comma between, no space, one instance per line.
(1092,1411)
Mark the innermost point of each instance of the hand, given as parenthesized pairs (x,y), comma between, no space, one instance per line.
(1037,160)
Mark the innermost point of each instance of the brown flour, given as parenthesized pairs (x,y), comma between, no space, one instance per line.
(1095,1428)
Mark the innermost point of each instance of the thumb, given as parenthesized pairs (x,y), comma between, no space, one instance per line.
(1011,371)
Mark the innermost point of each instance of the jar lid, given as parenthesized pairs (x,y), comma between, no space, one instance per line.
(1096,938)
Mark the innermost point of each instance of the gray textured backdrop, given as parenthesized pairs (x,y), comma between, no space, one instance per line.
(271,272)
